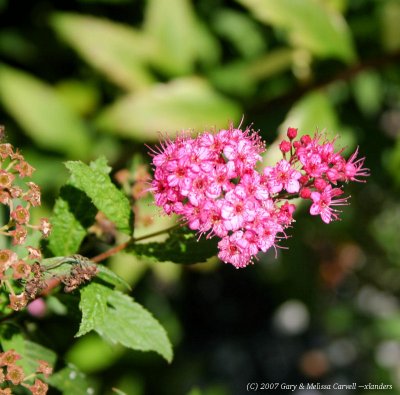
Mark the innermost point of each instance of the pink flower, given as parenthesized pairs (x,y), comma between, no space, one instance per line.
(353,168)
(313,165)
(267,234)
(323,201)
(283,176)
(236,209)
(230,250)
(211,181)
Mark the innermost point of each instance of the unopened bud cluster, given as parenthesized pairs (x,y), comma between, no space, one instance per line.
(19,197)
(212,182)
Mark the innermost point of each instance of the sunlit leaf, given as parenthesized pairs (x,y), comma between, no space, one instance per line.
(181,40)
(117,318)
(73,213)
(95,182)
(309,23)
(42,114)
(181,104)
(118,51)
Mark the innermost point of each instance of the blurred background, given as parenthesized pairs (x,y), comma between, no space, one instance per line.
(84,78)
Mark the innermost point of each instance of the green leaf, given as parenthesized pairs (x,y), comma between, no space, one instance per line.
(309,23)
(30,352)
(368,92)
(179,37)
(118,51)
(194,391)
(119,392)
(389,18)
(42,114)
(117,318)
(95,182)
(312,112)
(110,277)
(73,213)
(82,97)
(388,327)
(241,30)
(182,246)
(93,306)
(188,103)
(70,381)
(91,353)
(392,162)
(248,74)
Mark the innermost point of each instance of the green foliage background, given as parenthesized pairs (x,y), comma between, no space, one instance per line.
(85,78)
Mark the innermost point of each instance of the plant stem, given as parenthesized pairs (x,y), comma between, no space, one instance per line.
(132,240)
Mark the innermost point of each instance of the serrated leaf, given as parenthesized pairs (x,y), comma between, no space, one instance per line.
(70,381)
(73,213)
(310,24)
(93,306)
(95,182)
(189,103)
(117,318)
(30,352)
(116,50)
(110,277)
(42,114)
(182,246)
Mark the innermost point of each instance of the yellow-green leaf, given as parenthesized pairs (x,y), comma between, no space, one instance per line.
(42,114)
(116,50)
(311,24)
(188,103)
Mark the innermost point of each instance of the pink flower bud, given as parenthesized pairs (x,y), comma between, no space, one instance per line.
(304,179)
(292,133)
(305,193)
(306,139)
(285,146)
(296,144)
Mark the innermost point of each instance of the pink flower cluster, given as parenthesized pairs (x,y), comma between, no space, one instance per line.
(212,182)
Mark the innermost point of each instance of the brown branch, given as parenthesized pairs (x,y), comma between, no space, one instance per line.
(122,246)
(110,252)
